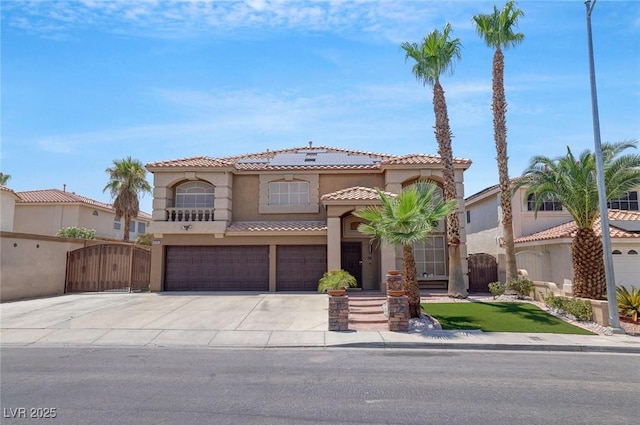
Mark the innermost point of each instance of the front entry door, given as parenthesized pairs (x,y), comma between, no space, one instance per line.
(351,259)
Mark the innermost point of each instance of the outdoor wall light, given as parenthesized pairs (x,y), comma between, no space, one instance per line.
(186,226)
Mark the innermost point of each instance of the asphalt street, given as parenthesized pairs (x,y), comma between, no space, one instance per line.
(144,385)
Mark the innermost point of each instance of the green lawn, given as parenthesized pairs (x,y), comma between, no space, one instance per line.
(499,317)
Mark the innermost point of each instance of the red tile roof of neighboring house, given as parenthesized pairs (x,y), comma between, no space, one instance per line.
(57,196)
(7,189)
(277,226)
(261,160)
(568,230)
(357,193)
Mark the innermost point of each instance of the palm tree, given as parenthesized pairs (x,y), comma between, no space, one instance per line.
(404,219)
(4,179)
(433,58)
(572,182)
(127,179)
(497,30)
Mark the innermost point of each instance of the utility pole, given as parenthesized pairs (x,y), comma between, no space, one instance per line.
(614,319)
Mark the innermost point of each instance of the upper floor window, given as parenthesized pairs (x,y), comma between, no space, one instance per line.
(289,193)
(550,205)
(195,194)
(116,224)
(627,202)
(142,227)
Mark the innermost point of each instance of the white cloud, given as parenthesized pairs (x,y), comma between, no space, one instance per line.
(394,20)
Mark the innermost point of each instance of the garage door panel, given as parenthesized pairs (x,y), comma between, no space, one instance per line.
(300,267)
(217,268)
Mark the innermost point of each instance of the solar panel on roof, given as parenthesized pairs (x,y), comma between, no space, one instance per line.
(626,225)
(316,158)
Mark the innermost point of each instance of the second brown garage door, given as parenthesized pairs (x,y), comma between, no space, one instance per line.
(299,267)
(217,268)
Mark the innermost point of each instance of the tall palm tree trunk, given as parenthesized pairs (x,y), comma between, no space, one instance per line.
(500,135)
(456,287)
(588,265)
(127,223)
(410,281)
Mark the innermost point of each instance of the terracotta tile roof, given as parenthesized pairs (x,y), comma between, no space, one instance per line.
(57,196)
(7,189)
(262,160)
(422,159)
(196,161)
(357,193)
(568,230)
(277,226)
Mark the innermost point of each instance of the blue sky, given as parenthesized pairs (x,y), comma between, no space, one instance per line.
(87,82)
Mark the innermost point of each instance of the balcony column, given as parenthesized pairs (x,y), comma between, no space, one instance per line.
(334,261)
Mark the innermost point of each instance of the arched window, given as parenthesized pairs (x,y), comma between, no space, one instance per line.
(194,194)
(616,252)
(632,252)
(549,205)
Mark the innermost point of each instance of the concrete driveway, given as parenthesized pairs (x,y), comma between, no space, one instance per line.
(161,318)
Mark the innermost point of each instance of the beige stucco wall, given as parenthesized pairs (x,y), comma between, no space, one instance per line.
(526,222)
(7,209)
(47,219)
(33,265)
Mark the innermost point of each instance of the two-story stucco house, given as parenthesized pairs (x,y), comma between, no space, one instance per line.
(277,220)
(45,212)
(543,242)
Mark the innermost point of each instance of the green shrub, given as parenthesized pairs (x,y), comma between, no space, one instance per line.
(554,301)
(628,302)
(145,239)
(76,233)
(336,279)
(522,286)
(581,309)
(496,289)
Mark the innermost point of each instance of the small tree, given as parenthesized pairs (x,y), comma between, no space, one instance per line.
(403,219)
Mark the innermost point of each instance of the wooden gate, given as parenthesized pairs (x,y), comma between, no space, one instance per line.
(108,267)
(483,269)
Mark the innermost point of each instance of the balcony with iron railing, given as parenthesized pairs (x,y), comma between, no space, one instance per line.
(189,214)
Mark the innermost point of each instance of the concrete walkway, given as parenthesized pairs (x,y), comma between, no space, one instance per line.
(246,320)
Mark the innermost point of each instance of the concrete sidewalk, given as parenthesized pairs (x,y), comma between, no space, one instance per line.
(246,320)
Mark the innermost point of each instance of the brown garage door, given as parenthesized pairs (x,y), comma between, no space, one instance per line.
(217,268)
(299,267)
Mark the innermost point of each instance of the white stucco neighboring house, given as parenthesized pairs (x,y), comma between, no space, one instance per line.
(8,199)
(543,240)
(44,212)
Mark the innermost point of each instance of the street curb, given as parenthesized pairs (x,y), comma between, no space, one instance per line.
(493,347)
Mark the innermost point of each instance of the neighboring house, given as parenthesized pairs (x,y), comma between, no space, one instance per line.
(44,212)
(277,220)
(8,199)
(543,243)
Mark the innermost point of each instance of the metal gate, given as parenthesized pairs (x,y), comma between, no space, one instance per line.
(483,269)
(108,267)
